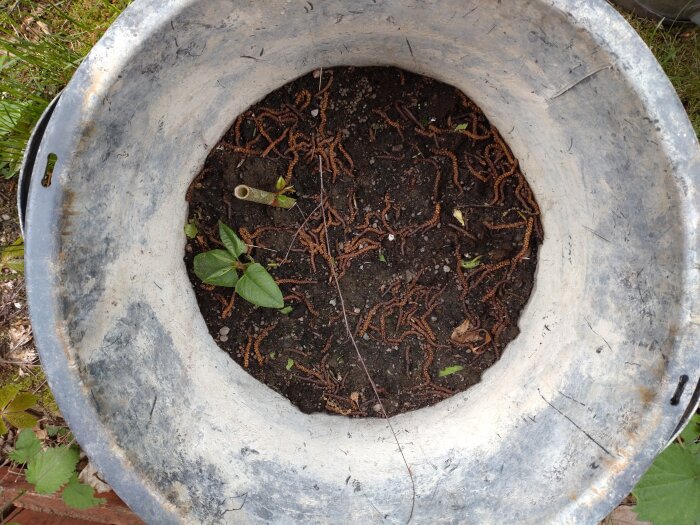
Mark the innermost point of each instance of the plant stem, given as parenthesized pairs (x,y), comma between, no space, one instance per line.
(247,193)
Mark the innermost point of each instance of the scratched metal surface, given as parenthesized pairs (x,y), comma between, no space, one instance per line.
(559,429)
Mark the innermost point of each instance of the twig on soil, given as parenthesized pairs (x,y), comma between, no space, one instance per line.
(359,354)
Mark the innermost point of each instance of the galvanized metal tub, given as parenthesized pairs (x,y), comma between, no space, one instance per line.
(559,430)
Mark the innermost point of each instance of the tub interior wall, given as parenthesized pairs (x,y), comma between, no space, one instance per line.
(160,383)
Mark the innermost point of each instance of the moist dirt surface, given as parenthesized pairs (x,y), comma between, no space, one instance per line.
(429,222)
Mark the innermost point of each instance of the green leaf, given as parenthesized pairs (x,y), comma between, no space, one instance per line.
(13,405)
(472,263)
(26,447)
(21,419)
(22,401)
(285,202)
(12,256)
(691,433)
(280,184)
(191,230)
(231,241)
(290,363)
(461,127)
(79,495)
(7,394)
(53,431)
(448,371)
(50,469)
(216,267)
(286,310)
(669,492)
(258,287)
(381,257)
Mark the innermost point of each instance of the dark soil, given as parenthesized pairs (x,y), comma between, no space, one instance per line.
(400,154)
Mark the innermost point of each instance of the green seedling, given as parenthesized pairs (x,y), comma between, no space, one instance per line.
(471,263)
(290,363)
(221,267)
(382,258)
(278,199)
(191,230)
(448,371)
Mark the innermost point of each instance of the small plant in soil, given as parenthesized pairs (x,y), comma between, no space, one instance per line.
(221,267)
(411,246)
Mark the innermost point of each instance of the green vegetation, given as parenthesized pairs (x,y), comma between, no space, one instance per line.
(669,492)
(448,371)
(221,267)
(48,468)
(678,51)
(471,263)
(41,45)
(13,406)
(52,468)
(12,258)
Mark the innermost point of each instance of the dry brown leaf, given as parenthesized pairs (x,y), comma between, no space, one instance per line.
(466,333)
(20,334)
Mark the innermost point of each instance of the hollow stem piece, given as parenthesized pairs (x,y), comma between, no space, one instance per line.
(247,193)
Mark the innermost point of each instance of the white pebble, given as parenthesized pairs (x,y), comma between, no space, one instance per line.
(356,310)
(6,217)
(446,269)
(224,330)
(332,302)
(223,338)
(391,237)
(365,336)
(314,113)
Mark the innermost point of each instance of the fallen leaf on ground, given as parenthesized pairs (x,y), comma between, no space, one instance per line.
(467,333)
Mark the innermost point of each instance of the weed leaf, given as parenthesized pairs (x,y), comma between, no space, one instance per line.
(12,256)
(691,434)
(258,287)
(50,469)
(448,371)
(668,492)
(216,267)
(7,394)
(26,447)
(21,419)
(231,241)
(12,408)
(79,495)
(471,263)
(191,230)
